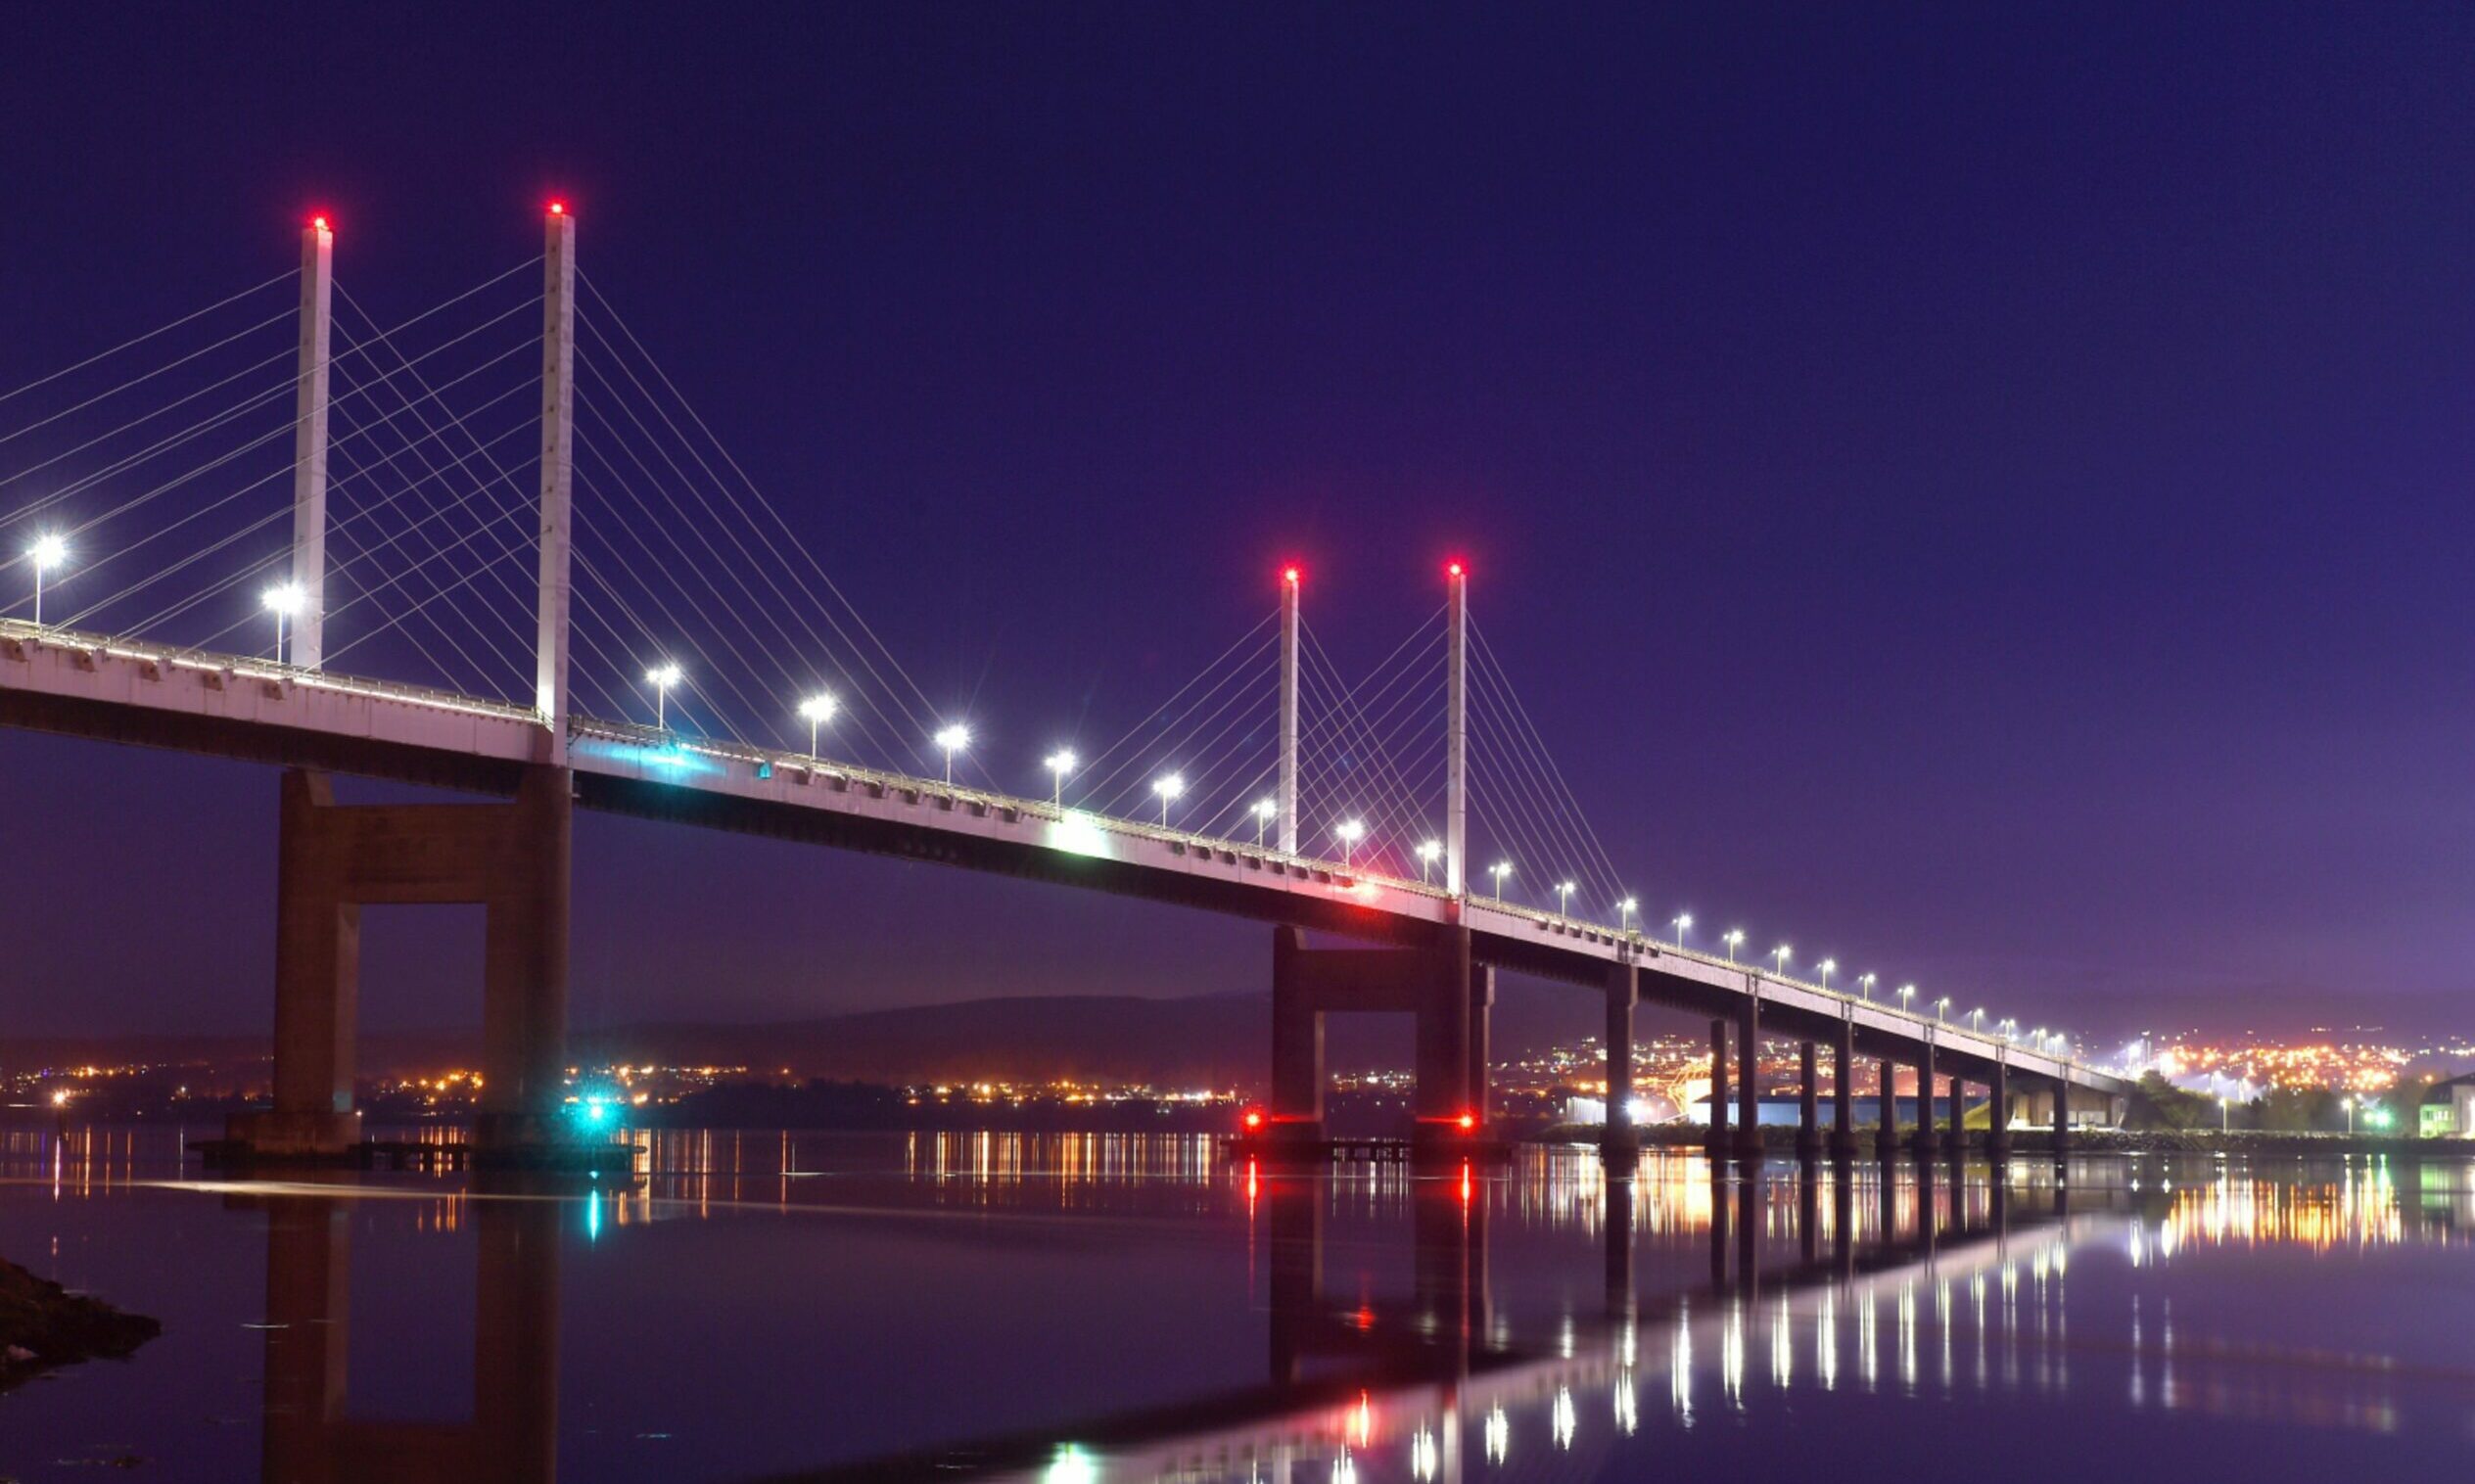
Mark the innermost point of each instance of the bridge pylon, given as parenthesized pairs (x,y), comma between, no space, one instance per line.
(1452,997)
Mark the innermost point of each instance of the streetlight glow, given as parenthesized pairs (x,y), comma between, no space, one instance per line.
(1428,852)
(1265,809)
(662,678)
(1500,870)
(1059,764)
(1680,922)
(1563,897)
(818,709)
(1168,788)
(1779,957)
(1865,985)
(1624,912)
(283,600)
(952,737)
(50,550)
(1826,966)
(1907,992)
(1735,936)
(1348,833)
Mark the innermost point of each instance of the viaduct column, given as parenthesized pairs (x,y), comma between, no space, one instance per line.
(1808,1120)
(1621,1148)
(1959,1112)
(1998,1112)
(1924,1136)
(1887,1127)
(1719,1089)
(1843,1091)
(1748,1078)
(309,448)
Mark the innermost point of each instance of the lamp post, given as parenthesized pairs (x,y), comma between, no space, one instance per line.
(1682,921)
(1428,852)
(952,738)
(1826,966)
(1942,1006)
(1624,912)
(1734,937)
(1500,870)
(1168,789)
(1563,897)
(818,709)
(1265,809)
(1779,957)
(1059,764)
(283,600)
(1907,992)
(1976,1020)
(49,551)
(1349,832)
(1865,985)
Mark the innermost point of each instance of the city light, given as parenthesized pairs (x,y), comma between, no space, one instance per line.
(1428,852)
(1059,764)
(1348,833)
(1168,788)
(51,550)
(662,678)
(818,709)
(283,600)
(952,738)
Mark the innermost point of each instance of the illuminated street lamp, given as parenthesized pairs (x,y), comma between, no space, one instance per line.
(1826,966)
(1349,832)
(1976,1020)
(1265,809)
(49,551)
(1865,985)
(2348,1103)
(1564,895)
(952,737)
(1907,992)
(1168,789)
(1682,921)
(2010,1030)
(818,709)
(1941,1007)
(1500,870)
(1735,936)
(1779,957)
(2226,1113)
(1428,852)
(662,678)
(1059,764)
(283,600)
(1624,912)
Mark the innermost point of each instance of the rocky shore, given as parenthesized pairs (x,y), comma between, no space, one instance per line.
(44,1325)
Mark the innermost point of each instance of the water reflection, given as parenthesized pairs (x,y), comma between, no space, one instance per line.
(1544,1321)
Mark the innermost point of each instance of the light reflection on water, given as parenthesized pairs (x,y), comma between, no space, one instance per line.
(1121,1306)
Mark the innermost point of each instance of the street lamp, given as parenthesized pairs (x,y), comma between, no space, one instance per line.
(1500,870)
(1940,1006)
(283,600)
(48,551)
(1059,764)
(1265,809)
(1564,895)
(1865,985)
(952,737)
(1428,852)
(1624,912)
(1779,957)
(1907,992)
(1168,789)
(1682,921)
(818,709)
(2348,1103)
(1732,937)
(2010,1030)
(1349,832)
(1826,965)
(1976,1020)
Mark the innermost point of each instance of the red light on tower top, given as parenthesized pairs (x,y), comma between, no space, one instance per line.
(1290,575)
(558,208)
(1453,568)
(321,222)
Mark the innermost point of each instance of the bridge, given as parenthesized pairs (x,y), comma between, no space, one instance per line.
(469,564)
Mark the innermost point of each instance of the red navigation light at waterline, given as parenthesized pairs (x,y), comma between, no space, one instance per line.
(1468,1122)
(1255,1119)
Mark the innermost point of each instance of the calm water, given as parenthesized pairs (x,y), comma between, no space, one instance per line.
(1093,1309)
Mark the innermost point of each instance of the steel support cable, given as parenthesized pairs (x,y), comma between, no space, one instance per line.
(754,492)
(1348,707)
(816,642)
(1571,851)
(813,643)
(1213,673)
(1521,750)
(1137,729)
(1548,851)
(169,366)
(402,620)
(1372,794)
(1351,734)
(163,329)
(1203,760)
(1180,736)
(1487,653)
(270,518)
(287,387)
(451,681)
(718,632)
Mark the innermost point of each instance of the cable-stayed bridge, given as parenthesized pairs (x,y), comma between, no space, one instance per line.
(505,507)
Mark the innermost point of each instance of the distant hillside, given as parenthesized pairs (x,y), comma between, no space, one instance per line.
(1204,1040)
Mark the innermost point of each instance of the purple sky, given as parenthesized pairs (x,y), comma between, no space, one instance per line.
(1983,499)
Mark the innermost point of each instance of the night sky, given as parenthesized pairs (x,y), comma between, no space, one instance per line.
(1979,492)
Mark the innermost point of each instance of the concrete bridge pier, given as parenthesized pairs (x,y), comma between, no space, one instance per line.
(1451,995)
(1621,1147)
(1844,1092)
(1887,1126)
(1749,1079)
(512,860)
(1998,1114)
(1718,1144)
(1959,1115)
(1808,1104)
(1926,1139)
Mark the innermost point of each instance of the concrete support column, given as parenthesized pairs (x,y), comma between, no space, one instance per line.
(1887,1127)
(1959,1113)
(1926,1139)
(1998,1113)
(2062,1118)
(317,982)
(1621,1145)
(1808,1103)
(524,949)
(1298,1044)
(1718,1088)
(1844,1092)
(1749,1077)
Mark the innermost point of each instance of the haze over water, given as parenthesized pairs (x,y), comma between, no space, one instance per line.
(1102,1308)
